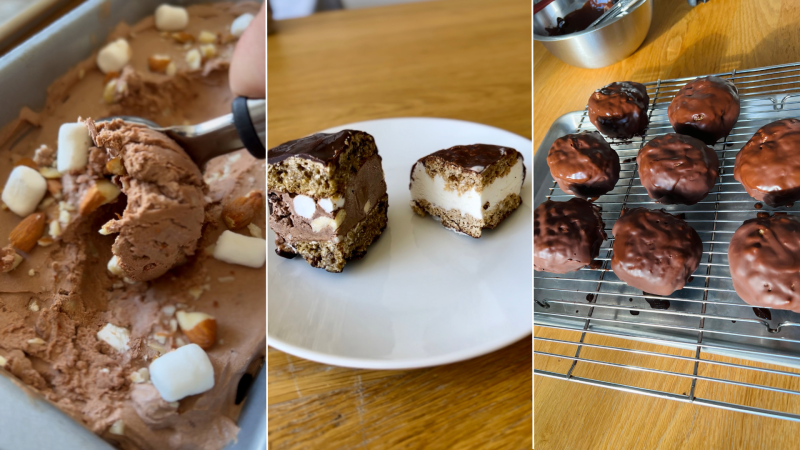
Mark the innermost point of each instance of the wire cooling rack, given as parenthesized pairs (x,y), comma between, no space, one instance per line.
(719,351)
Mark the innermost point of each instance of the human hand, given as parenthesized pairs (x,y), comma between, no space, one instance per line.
(248,65)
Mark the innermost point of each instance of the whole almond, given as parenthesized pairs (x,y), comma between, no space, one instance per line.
(240,211)
(27,232)
(200,328)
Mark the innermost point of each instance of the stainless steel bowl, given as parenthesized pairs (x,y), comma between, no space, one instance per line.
(598,47)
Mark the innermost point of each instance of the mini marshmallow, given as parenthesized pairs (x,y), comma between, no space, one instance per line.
(116,337)
(114,56)
(24,190)
(329,204)
(171,18)
(73,147)
(304,206)
(182,372)
(235,248)
(240,24)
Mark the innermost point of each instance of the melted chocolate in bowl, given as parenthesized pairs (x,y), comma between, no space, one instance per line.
(581,18)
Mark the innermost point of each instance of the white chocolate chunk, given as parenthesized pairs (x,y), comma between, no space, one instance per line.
(23,191)
(171,18)
(235,248)
(114,268)
(73,147)
(116,337)
(304,206)
(182,372)
(240,24)
(117,428)
(194,59)
(114,56)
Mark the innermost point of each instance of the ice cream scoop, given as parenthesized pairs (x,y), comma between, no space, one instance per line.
(244,127)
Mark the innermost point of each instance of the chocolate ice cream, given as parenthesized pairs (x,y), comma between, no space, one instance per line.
(53,304)
(164,217)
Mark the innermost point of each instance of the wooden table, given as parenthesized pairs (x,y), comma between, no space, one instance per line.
(683,41)
(462,59)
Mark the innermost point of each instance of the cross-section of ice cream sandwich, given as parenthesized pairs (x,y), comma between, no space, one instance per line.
(468,187)
(327,197)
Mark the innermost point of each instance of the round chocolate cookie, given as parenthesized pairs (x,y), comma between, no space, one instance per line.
(566,235)
(654,251)
(764,258)
(768,166)
(706,108)
(677,169)
(583,164)
(619,110)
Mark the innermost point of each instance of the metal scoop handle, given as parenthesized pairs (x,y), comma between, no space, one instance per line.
(245,126)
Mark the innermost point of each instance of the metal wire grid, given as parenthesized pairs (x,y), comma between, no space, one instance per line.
(706,317)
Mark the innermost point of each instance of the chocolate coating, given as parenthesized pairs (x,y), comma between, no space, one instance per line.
(706,108)
(566,235)
(581,18)
(764,258)
(619,110)
(583,164)
(471,156)
(654,251)
(324,148)
(768,166)
(677,169)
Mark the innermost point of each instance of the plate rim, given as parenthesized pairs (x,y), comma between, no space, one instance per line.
(406,363)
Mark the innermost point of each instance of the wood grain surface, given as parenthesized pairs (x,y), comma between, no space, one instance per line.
(718,36)
(462,59)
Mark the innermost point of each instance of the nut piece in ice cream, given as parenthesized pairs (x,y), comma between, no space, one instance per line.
(114,166)
(158,63)
(164,216)
(234,248)
(73,147)
(182,372)
(200,328)
(114,56)
(171,18)
(194,59)
(182,37)
(101,192)
(241,210)
(116,337)
(9,259)
(27,232)
(240,24)
(23,191)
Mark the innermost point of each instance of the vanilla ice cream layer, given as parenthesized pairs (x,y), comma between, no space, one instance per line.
(471,202)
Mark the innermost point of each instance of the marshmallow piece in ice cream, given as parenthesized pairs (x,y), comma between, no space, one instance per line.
(240,24)
(171,18)
(23,191)
(114,56)
(182,372)
(73,147)
(235,248)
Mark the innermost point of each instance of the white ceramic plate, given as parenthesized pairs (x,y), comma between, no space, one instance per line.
(423,295)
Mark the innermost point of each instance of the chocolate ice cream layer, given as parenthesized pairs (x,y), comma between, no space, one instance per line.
(55,302)
(362,195)
(162,223)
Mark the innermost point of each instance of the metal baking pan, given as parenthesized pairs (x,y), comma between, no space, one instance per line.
(28,421)
(706,315)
